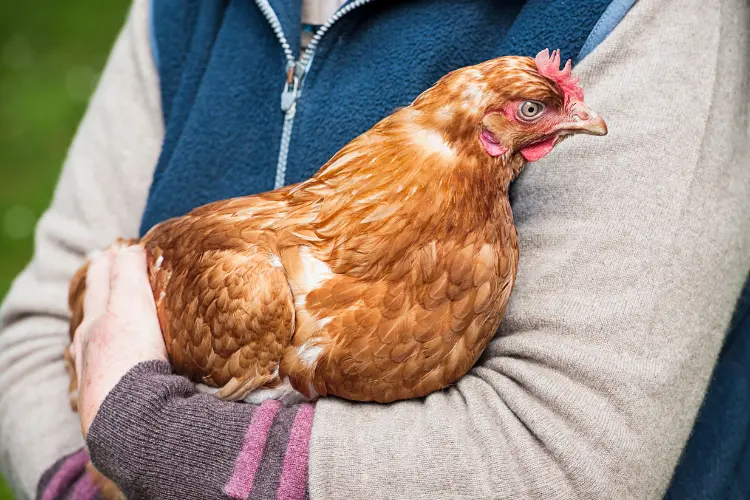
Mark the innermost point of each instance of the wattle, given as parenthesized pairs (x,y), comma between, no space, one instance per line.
(538,150)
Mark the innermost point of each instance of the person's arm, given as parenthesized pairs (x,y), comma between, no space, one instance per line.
(159,439)
(633,252)
(100,196)
(149,430)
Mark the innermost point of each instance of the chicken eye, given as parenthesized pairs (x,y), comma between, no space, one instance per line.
(530,110)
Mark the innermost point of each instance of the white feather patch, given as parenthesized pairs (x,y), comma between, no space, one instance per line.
(300,299)
(275,261)
(309,352)
(284,392)
(314,271)
(381,212)
(433,142)
(205,389)
(323,322)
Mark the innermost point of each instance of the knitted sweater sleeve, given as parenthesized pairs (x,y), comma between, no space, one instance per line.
(100,195)
(157,438)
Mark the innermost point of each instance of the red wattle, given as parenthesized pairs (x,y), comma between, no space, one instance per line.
(538,150)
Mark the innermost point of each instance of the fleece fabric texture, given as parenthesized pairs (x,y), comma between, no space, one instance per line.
(221,66)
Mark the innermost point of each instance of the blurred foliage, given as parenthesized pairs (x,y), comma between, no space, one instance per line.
(5,492)
(51,53)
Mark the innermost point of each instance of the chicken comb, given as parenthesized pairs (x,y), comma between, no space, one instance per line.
(549,66)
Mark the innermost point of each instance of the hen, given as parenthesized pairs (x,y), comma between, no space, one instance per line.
(384,276)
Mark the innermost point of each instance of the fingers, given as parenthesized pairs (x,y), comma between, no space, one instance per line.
(132,299)
(129,285)
(97,285)
(94,303)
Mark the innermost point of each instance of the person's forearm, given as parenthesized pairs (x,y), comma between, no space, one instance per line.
(158,438)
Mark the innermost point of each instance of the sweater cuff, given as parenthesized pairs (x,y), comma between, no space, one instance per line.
(68,479)
(157,437)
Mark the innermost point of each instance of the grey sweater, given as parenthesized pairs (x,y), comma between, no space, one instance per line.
(632,257)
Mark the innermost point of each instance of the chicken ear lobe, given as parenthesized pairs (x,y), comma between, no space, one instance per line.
(491,144)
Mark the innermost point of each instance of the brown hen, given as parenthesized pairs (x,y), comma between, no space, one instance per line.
(385,275)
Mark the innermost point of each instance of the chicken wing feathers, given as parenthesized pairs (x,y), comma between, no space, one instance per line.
(224,304)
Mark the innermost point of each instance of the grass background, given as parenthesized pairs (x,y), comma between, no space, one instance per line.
(51,53)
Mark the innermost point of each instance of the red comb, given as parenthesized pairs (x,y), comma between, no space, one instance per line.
(550,67)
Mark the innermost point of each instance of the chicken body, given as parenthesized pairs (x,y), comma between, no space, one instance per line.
(385,275)
(340,297)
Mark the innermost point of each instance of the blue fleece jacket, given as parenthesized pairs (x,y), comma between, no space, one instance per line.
(222,69)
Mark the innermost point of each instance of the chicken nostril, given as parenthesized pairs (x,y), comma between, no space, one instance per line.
(581,116)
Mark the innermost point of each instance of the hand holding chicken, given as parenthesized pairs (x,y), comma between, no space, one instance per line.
(121,328)
(384,276)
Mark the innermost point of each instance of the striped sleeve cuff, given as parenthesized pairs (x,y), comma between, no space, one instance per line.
(67,479)
(273,460)
(158,438)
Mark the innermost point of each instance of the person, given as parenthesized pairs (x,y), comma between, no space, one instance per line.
(634,250)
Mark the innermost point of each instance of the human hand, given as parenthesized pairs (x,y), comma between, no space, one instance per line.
(119,330)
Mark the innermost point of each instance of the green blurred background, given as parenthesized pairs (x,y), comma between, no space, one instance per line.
(51,53)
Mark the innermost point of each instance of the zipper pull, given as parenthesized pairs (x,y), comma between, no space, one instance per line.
(291,87)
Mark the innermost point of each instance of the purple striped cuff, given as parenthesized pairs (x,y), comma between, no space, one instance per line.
(273,460)
(157,438)
(68,479)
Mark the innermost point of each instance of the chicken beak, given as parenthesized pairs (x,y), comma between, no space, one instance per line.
(585,121)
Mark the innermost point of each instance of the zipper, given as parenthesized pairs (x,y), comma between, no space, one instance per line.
(295,74)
